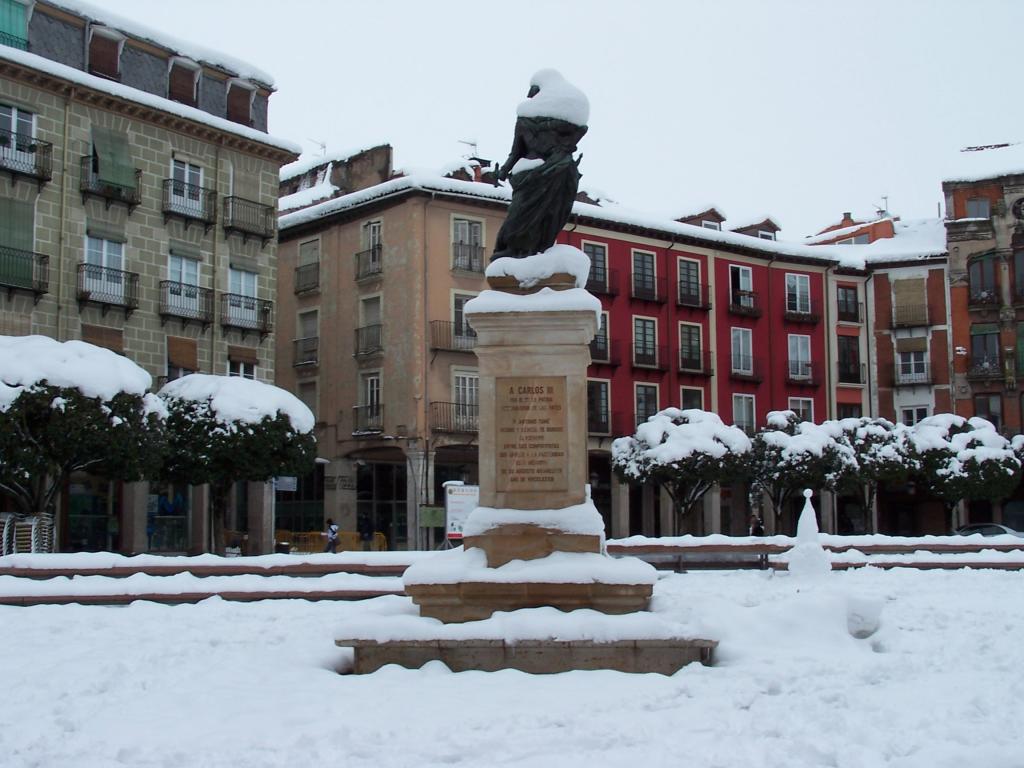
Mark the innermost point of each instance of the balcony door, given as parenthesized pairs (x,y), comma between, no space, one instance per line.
(183,291)
(799,356)
(186,188)
(462,334)
(742,351)
(466,387)
(17,128)
(243,309)
(104,275)
(741,286)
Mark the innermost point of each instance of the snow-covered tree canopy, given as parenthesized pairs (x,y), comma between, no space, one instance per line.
(235,400)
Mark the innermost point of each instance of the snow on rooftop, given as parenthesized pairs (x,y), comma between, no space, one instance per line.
(234,398)
(142,97)
(746,223)
(696,210)
(825,237)
(178,45)
(310,195)
(990,162)
(306,163)
(556,98)
(913,239)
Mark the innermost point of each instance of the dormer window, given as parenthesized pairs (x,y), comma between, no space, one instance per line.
(715,225)
(240,95)
(765,234)
(105,47)
(183,81)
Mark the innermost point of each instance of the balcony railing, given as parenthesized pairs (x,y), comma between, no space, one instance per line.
(744,303)
(468,257)
(695,362)
(108,287)
(803,373)
(912,375)
(249,217)
(909,315)
(746,368)
(367,419)
(185,301)
(983,298)
(307,277)
(693,295)
(607,284)
(24,270)
(647,288)
(454,417)
(985,367)
(647,356)
(306,351)
(370,262)
(604,352)
(13,41)
(454,336)
(794,315)
(189,202)
(92,184)
(851,313)
(24,156)
(247,313)
(369,339)
(851,373)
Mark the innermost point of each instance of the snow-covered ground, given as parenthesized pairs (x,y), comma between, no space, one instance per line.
(227,684)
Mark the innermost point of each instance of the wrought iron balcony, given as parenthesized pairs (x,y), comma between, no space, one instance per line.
(247,313)
(746,368)
(185,301)
(693,295)
(454,336)
(606,284)
(189,202)
(307,277)
(108,288)
(369,339)
(647,288)
(794,315)
(983,298)
(803,373)
(913,374)
(985,367)
(13,41)
(370,262)
(24,271)
(306,351)
(744,303)
(367,419)
(468,257)
(603,351)
(851,313)
(249,218)
(92,185)
(650,356)
(454,417)
(851,373)
(695,362)
(24,156)
(909,315)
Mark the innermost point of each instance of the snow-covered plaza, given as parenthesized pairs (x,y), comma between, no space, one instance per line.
(938,683)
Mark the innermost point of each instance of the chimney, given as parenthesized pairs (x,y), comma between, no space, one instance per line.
(846,216)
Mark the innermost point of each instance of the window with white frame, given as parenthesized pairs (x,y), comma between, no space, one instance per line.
(598,255)
(646,401)
(798,293)
(17,130)
(186,188)
(803,407)
(689,283)
(645,341)
(741,286)
(912,368)
(466,389)
(371,235)
(600,351)
(182,292)
(644,285)
(690,353)
(766,234)
(467,245)
(598,412)
(743,413)
(243,308)
(370,412)
(467,231)
(691,397)
(799,356)
(715,225)
(244,368)
(742,351)
(915,413)
(463,334)
(104,276)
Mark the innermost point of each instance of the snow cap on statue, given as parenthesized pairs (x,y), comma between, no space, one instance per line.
(557,98)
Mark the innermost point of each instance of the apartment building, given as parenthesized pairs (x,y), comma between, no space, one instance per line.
(138,191)
(373,281)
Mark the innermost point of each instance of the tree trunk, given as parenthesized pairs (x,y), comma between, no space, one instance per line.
(218,508)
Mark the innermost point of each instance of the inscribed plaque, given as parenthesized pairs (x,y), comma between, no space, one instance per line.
(531,443)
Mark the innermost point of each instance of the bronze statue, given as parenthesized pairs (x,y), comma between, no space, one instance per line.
(541,169)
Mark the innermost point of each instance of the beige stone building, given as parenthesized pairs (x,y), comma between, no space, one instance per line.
(138,191)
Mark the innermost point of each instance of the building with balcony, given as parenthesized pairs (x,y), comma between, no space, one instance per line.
(138,192)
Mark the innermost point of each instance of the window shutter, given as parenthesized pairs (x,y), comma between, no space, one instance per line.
(981,329)
(243,355)
(181,85)
(915,344)
(183,353)
(12,19)
(102,336)
(908,292)
(104,56)
(17,224)
(239,101)
(113,157)
(185,250)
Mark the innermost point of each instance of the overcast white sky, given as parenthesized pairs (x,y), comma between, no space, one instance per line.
(797,109)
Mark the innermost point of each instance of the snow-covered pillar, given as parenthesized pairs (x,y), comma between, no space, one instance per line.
(667,514)
(133,518)
(419,487)
(199,520)
(620,508)
(261,518)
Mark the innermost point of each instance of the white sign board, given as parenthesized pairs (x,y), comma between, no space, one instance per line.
(459,501)
(286,483)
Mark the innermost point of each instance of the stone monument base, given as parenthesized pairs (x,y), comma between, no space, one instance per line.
(527,542)
(665,657)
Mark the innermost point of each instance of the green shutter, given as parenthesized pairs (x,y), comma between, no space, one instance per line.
(980,329)
(114,157)
(17,224)
(12,19)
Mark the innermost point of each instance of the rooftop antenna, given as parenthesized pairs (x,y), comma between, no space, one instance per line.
(471,143)
(883,210)
(321,144)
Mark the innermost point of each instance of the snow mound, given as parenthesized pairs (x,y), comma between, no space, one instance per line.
(556,98)
(544,300)
(808,560)
(581,519)
(233,398)
(26,361)
(530,270)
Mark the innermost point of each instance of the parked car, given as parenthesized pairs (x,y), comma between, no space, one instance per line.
(987,529)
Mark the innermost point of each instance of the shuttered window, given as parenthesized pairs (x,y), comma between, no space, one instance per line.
(17,224)
(181,85)
(239,103)
(112,157)
(183,353)
(105,56)
(12,22)
(102,336)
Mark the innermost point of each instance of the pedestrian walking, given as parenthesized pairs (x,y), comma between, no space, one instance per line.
(756,528)
(332,536)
